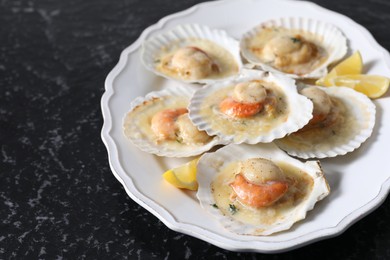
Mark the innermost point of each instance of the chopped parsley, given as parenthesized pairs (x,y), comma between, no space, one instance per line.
(214,206)
(232,209)
(295,40)
(178,138)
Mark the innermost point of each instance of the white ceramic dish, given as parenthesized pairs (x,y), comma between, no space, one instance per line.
(365,111)
(140,173)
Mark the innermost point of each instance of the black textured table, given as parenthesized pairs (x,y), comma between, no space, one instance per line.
(58,197)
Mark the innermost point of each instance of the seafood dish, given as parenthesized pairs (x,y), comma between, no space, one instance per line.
(255,107)
(258,189)
(247,121)
(299,47)
(159,124)
(192,53)
(342,120)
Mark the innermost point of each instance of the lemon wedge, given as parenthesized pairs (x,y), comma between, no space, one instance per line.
(350,66)
(184,176)
(371,85)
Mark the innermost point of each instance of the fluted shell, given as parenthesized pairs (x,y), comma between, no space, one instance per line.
(217,170)
(222,49)
(293,110)
(137,123)
(354,127)
(327,37)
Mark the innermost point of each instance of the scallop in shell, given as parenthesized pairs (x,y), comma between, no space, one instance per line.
(237,181)
(192,53)
(343,119)
(300,47)
(159,124)
(255,107)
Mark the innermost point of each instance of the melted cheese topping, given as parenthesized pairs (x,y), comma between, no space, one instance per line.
(300,186)
(343,126)
(211,61)
(290,51)
(259,124)
(137,123)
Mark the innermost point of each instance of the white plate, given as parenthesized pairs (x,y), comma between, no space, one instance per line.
(359,181)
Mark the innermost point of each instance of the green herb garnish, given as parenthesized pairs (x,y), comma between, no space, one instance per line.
(295,40)
(232,209)
(178,138)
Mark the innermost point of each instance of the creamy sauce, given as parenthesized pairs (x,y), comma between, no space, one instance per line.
(137,123)
(227,66)
(309,56)
(324,138)
(300,186)
(259,124)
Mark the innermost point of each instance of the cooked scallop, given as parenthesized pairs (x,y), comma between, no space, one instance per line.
(299,47)
(192,53)
(255,107)
(258,189)
(159,124)
(342,120)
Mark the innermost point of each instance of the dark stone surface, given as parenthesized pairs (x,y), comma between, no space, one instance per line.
(58,198)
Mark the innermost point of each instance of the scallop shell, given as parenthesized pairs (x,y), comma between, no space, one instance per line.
(357,128)
(326,35)
(183,35)
(140,134)
(211,164)
(300,110)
